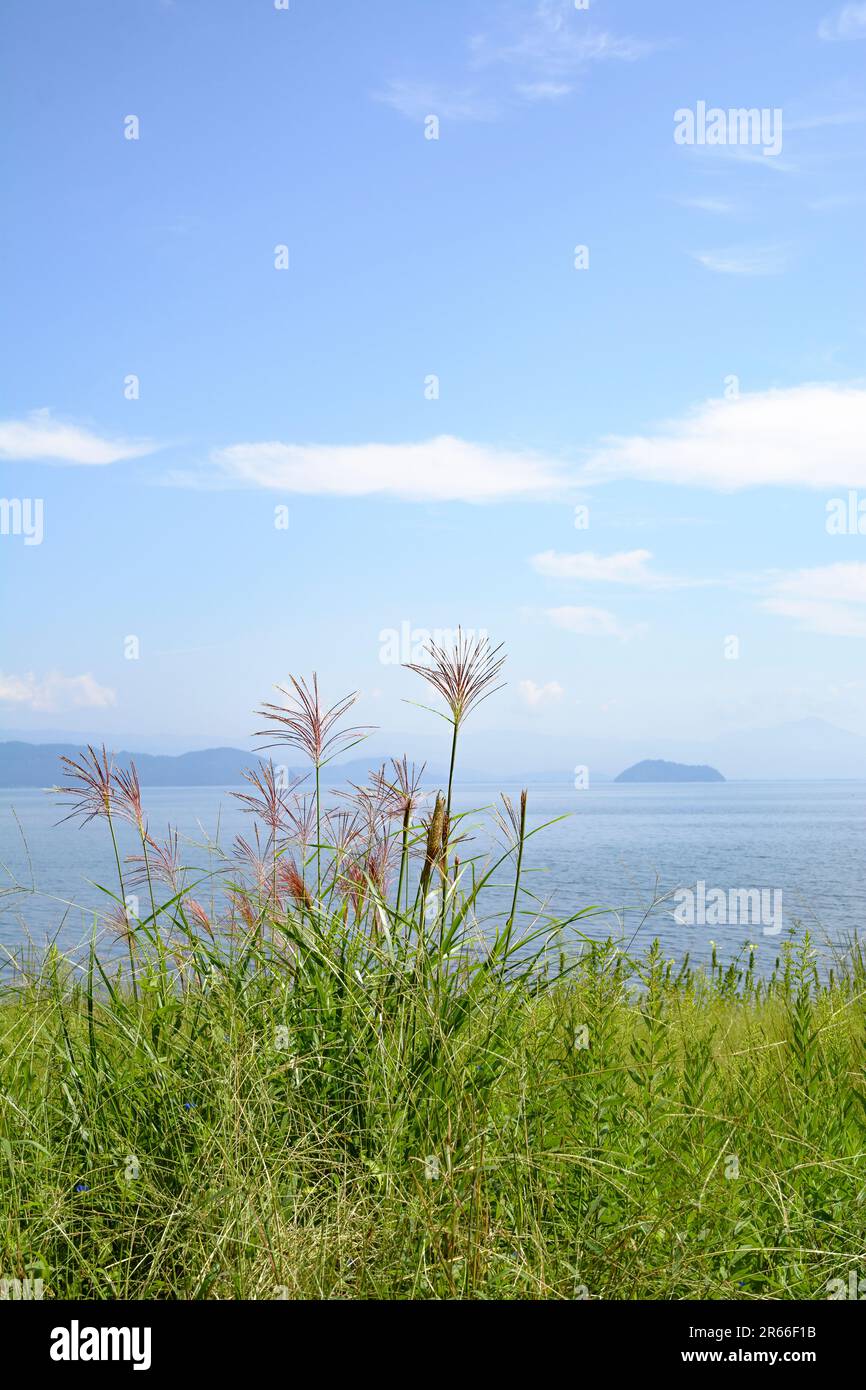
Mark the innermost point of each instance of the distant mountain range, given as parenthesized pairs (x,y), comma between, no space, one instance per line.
(39,765)
(804,750)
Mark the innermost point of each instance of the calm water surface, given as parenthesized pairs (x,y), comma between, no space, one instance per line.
(619,848)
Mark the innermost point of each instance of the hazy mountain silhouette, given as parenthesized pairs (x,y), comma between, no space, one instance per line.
(806,749)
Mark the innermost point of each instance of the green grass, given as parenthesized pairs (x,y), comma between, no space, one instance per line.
(338,1115)
(348,1078)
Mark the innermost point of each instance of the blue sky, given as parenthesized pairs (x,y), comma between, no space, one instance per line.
(700,387)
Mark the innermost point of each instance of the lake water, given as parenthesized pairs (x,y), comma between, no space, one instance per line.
(620,847)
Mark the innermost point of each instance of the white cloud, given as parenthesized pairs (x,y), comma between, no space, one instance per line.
(830,599)
(830,619)
(844,583)
(804,436)
(847,23)
(444,469)
(43,438)
(555,40)
(625,567)
(535,695)
(588,622)
(745,260)
(721,206)
(739,154)
(417,100)
(55,692)
(534,56)
(543,91)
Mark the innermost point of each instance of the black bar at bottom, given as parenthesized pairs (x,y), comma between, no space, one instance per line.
(61,1339)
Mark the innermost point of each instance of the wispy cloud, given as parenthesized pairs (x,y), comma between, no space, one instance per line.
(839,583)
(740,154)
(40,437)
(444,469)
(723,207)
(554,41)
(55,692)
(830,599)
(543,91)
(745,260)
(537,695)
(805,436)
(847,23)
(590,622)
(417,100)
(830,619)
(625,567)
(536,56)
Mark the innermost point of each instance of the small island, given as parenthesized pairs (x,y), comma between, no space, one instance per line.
(657,770)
